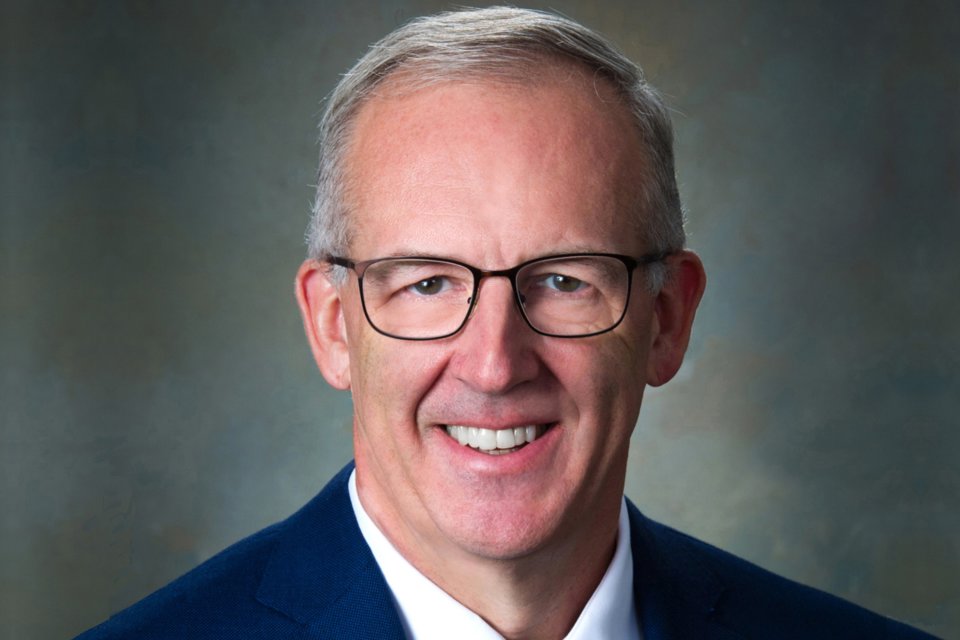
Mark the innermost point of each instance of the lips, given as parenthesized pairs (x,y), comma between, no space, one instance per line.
(495,441)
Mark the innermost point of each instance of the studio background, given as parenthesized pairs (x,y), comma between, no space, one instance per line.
(158,397)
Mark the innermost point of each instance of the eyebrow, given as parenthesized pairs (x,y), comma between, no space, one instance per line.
(404,253)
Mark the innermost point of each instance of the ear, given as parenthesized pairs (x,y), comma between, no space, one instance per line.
(674,309)
(322,311)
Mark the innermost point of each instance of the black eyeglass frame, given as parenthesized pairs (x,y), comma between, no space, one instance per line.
(629,262)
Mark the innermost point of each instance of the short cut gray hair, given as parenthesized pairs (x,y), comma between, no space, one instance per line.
(505,44)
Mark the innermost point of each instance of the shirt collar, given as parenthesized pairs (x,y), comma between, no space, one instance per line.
(430,613)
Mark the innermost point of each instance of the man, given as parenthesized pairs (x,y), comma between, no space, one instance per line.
(497,271)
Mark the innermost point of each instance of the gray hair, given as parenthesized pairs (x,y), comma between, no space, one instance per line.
(505,44)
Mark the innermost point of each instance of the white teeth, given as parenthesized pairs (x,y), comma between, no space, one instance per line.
(494,441)
(531,433)
(486,439)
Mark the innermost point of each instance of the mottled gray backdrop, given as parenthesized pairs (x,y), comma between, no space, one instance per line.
(158,398)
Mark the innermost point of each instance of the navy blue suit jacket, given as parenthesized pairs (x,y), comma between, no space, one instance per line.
(313,576)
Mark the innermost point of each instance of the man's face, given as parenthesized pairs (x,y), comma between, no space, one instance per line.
(493,175)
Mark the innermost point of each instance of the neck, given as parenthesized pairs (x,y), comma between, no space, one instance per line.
(538,596)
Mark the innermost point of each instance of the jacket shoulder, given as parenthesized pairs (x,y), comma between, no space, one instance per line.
(224,596)
(750,600)
(220,591)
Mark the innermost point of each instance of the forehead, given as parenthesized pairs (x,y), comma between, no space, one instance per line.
(558,161)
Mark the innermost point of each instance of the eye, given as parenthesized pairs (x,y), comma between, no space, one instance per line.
(562,283)
(430,286)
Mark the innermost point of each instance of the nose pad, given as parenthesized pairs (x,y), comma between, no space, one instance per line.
(474,301)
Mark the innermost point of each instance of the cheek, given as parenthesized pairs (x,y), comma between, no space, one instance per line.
(605,379)
(392,376)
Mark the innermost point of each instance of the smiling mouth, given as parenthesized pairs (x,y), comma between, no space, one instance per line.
(496,442)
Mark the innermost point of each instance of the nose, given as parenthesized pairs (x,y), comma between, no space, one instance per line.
(495,350)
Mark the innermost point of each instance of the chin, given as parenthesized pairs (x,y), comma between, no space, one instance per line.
(501,534)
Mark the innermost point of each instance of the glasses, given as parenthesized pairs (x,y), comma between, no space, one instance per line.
(562,296)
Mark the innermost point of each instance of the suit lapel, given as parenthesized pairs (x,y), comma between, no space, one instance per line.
(677,596)
(321,572)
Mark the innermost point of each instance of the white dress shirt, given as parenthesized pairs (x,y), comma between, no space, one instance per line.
(429,613)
